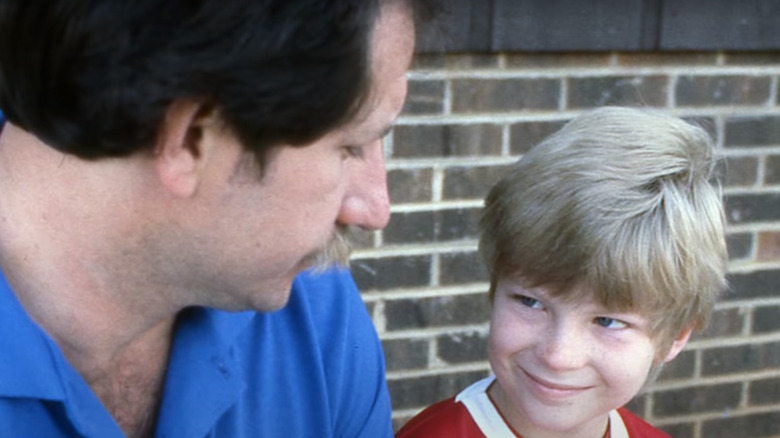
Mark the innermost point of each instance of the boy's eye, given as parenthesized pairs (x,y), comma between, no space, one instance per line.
(529,302)
(610,323)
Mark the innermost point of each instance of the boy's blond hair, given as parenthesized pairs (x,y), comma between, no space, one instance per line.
(621,201)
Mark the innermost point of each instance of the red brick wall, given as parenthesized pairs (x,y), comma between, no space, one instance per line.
(468,117)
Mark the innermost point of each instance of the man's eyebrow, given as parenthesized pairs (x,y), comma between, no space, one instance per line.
(376,135)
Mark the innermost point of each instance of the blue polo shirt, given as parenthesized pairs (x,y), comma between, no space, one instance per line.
(313,369)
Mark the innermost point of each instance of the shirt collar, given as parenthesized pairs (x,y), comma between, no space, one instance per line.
(28,363)
(205,377)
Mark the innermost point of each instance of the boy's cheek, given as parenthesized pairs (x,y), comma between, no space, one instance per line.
(505,340)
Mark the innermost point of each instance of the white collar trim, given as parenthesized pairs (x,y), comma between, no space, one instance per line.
(490,422)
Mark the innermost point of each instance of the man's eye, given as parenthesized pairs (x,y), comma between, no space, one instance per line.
(610,323)
(354,151)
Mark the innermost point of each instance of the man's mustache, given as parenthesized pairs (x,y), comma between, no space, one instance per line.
(336,251)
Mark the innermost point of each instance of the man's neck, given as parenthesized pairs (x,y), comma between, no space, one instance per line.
(130,386)
(75,274)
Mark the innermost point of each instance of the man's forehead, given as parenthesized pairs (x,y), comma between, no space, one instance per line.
(392,44)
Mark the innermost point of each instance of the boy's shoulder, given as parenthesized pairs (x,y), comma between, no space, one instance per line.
(639,428)
(445,419)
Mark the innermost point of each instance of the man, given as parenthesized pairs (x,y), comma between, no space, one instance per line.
(165,159)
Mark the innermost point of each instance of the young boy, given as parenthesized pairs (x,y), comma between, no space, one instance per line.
(606,249)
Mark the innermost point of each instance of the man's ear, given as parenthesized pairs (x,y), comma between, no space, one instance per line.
(179,149)
(678,344)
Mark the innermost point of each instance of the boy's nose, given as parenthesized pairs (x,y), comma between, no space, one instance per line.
(366,202)
(564,349)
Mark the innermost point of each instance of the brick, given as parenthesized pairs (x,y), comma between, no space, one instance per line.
(772,170)
(777,95)
(766,320)
(455,348)
(465,183)
(457,224)
(432,226)
(415,141)
(752,58)
(763,425)
(419,392)
(713,398)
(743,131)
(752,207)
(722,90)
(410,185)
(768,246)
(679,430)
(460,268)
(429,61)
(502,95)
(556,60)
(424,97)
(391,272)
(740,245)
(468,61)
(723,323)
(764,391)
(415,227)
(407,314)
(741,358)
(591,92)
(459,61)
(756,284)
(524,136)
(682,367)
(740,171)
(655,59)
(406,354)
(638,404)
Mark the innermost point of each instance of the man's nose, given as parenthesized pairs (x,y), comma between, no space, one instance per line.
(366,202)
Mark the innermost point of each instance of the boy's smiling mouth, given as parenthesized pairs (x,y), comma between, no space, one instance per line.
(550,390)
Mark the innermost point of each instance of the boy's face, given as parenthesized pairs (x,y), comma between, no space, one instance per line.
(563,364)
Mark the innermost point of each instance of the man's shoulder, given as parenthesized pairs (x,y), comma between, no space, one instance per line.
(314,365)
(329,298)
(335,278)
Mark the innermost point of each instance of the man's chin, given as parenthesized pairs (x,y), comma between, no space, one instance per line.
(334,253)
(271,302)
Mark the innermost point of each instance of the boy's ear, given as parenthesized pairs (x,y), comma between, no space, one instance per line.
(179,149)
(678,344)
